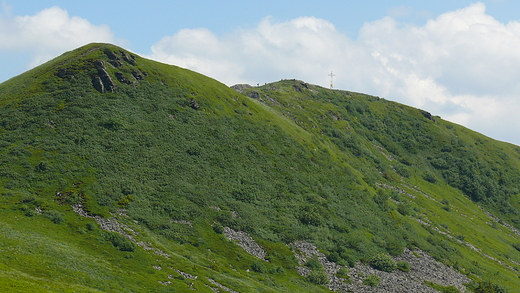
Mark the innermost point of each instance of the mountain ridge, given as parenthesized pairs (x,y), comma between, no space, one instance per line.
(180,158)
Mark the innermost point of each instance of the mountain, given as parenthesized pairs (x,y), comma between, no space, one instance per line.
(122,174)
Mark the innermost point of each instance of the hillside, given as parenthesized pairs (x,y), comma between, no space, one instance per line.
(122,174)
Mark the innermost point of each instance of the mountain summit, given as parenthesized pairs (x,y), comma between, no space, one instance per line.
(122,174)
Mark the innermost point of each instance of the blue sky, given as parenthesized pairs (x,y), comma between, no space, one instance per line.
(457,59)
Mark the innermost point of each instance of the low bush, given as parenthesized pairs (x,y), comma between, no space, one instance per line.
(218,228)
(383,262)
(258,267)
(55,216)
(488,287)
(119,241)
(318,278)
(443,289)
(372,280)
(276,270)
(403,266)
(313,263)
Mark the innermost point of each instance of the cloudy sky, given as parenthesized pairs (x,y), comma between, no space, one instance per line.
(456,59)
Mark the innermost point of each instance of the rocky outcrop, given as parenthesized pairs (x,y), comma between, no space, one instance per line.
(122,78)
(427,115)
(137,75)
(102,81)
(240,87)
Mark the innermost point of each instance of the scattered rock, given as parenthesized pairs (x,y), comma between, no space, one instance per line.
(38,210)
(186,275)
(396,189)
(423,268)
(221,286)
(246,242)
(188,223)
(113,226)
(193,104)
(165,283)
(383,152)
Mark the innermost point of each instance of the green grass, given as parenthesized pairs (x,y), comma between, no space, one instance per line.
(295,162)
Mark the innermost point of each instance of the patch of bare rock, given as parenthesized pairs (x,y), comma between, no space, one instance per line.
(423,267)
(245,241)
(112,225)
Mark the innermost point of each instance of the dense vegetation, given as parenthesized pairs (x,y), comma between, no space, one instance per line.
(284,162)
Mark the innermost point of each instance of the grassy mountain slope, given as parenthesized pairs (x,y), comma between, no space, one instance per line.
(176,156)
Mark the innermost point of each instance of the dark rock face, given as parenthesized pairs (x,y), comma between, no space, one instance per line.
(98,84)
(64,73)
(128,58)
(300,86)
(428,115)
(137,75)
(116,63)
(116,57)
(102,81)
(255,95)
(121,77)
(106,81)
(110,54)
(193,104)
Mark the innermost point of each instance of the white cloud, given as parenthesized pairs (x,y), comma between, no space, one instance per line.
(300,48)
(48,33)
(462,65)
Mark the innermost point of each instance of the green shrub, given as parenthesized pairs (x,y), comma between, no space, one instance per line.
(218,228)
(488,287)
(403,266)
(441,288)
(383,262)
(91,226)
(55,216)
(404,209)
(259,267)
(430,177)
(314,263)
(318,278)
(343,273)
(119,241)
(372,280)
(276,270)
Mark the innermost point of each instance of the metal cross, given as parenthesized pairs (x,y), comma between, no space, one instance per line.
(331,77)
